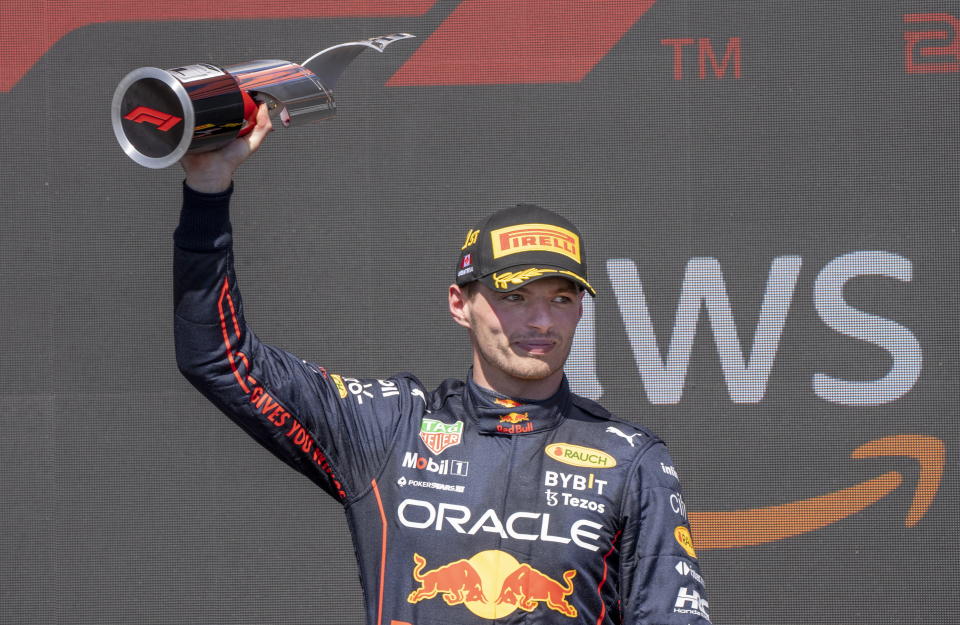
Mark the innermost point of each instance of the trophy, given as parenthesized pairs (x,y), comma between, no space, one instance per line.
(159,115)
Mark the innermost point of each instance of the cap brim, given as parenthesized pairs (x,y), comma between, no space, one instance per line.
(513,278)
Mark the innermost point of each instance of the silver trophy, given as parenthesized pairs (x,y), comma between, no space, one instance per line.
(159,115)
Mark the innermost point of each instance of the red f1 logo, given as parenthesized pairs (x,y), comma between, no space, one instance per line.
(163,121)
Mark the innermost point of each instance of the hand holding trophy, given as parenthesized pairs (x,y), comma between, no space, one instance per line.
(160,115)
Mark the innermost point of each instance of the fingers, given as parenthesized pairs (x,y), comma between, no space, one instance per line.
(263,127)
(212,172)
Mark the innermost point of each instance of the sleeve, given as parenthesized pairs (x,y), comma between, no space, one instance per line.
(661,582)
(337,431)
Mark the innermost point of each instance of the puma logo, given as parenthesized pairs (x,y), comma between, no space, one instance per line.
(619,432)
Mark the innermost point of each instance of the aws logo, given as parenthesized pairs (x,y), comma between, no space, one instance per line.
(480,42)
(741,528)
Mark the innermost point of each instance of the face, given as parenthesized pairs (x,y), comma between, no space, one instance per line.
(525,334)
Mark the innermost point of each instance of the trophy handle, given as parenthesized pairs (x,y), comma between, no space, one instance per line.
(329,64)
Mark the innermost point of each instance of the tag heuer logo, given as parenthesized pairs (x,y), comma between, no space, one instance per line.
(437,435)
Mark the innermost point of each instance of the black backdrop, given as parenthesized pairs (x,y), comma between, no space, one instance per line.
(826,165)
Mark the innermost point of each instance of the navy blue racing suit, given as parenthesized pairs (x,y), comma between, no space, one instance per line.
(465,506)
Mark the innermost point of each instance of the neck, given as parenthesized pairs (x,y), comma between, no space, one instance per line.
(498,381)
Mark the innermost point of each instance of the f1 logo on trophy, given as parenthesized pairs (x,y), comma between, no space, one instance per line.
(154,109)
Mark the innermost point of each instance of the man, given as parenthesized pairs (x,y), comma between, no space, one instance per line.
(503,498)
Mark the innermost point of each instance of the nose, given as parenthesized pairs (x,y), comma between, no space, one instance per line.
(540,315)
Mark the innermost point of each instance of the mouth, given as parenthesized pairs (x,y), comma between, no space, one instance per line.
(535,347)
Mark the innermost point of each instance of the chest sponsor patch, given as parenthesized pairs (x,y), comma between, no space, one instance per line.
(579,456)
(437,435)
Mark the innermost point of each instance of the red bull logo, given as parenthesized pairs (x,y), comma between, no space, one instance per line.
(516,428)
(514,417)
(526,587)
(475,582)
(458,582)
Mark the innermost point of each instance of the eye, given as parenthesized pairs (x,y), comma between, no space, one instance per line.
(562,299)
(512,297)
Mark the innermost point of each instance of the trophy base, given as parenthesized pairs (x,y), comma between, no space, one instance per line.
(160,115)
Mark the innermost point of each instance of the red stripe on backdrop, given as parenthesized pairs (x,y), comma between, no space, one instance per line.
(28,30)
(510,42)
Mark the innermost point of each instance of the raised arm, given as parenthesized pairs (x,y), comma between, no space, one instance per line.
(298,411)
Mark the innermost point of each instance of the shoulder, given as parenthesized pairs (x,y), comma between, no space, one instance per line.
(448,389)
(642,454)
(612,425)
(399,392)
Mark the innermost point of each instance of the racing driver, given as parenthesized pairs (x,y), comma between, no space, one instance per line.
(593,526)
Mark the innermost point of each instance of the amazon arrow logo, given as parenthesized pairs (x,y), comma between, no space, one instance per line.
(740,528)
(480,42)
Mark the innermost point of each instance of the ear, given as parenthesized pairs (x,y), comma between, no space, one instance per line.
(583,293)
(459,303)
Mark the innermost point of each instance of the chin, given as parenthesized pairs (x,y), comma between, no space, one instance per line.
(531,371)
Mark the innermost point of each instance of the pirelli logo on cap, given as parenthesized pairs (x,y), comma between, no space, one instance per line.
(535,238)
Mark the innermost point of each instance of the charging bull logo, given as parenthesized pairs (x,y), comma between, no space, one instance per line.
(515,417)
(527,586)
(474,582)
(458,582)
